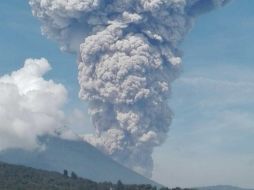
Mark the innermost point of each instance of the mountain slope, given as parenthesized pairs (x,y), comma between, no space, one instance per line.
(76,156)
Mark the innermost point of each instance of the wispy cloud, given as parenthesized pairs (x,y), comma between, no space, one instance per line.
(212,133)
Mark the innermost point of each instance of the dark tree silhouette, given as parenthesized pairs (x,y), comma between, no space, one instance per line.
(74,176)
(65,173)
(119,185)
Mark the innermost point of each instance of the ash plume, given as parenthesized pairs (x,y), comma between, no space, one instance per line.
(128,58)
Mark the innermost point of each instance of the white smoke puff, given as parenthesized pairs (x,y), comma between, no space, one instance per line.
(128,60)
(30,106)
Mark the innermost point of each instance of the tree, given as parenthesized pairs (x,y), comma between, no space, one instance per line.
(119,185)
(176,188)
(164,188)
(65,173)
(74,176)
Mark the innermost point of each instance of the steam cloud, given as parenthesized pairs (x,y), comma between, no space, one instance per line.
(30,106)
(128,58)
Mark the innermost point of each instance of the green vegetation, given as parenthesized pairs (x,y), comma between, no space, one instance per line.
(24,178)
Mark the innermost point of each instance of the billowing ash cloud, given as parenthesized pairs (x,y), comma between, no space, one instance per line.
(30,106)
(128,58)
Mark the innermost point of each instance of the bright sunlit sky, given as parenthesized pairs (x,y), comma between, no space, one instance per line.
(212,136)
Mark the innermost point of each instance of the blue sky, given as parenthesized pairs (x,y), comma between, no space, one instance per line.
(211,139)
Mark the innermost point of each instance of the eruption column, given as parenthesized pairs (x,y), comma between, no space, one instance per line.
(128,58)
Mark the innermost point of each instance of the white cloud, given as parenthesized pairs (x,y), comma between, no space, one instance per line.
(30,106)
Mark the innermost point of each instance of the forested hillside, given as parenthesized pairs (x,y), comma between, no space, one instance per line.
(13,177)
